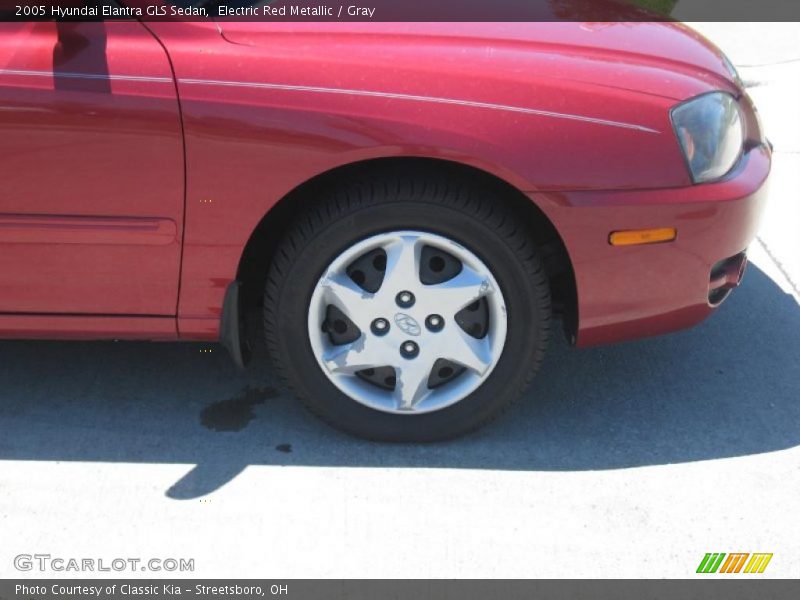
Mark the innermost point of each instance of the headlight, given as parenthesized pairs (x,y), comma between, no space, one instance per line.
(710,132)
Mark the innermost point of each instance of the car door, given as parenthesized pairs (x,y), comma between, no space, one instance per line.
(91,170)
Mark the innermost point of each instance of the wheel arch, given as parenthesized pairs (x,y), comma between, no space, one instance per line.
(265,237)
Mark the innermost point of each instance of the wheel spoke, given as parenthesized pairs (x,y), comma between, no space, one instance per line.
(460,291)
(467,351)
(343,293)
(349,358)
(412,384)
(402,264)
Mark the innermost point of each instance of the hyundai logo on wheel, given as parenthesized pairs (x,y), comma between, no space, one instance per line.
(407,324)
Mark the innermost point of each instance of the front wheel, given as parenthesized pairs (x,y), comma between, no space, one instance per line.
(411,313)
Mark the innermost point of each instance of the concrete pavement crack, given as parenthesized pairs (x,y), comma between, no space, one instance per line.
(769,64)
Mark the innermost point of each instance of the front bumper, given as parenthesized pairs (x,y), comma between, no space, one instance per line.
(637,291)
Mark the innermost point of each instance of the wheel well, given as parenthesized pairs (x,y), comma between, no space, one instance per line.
(267,235)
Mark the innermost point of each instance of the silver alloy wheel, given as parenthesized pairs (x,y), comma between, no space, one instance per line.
(418,330)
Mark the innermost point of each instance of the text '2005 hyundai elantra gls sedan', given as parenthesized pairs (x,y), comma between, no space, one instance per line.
(409,205)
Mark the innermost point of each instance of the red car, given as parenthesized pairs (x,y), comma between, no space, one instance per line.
(410,206)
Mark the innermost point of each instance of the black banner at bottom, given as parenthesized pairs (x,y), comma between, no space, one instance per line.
(398,589)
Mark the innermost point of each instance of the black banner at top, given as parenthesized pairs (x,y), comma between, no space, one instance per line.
(403,10)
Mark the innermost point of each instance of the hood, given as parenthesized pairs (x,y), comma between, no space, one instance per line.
(659,58)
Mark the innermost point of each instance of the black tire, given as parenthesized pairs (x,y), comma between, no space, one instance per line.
(475,216)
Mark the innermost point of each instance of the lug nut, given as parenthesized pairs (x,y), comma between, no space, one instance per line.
(409,349)
(405,299)
(380,326)
(434,323)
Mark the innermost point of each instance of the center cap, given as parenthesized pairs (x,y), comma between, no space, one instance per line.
(407,324)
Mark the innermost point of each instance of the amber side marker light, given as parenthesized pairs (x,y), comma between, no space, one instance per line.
(634,237)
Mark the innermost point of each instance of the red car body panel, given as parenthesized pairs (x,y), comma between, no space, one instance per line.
(574,115)
(636,291)
(91,213)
